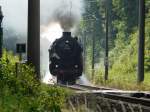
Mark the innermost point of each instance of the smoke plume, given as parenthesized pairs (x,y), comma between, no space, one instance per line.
(65,12)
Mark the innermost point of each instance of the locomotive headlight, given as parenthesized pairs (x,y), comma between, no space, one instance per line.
(56,66)
(67,41)
(76,66)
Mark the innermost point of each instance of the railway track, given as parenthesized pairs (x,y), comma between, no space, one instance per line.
(81,87)
(133,97)
(125,98)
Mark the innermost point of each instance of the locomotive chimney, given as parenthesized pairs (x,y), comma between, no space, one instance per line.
(66,34)
(33,53)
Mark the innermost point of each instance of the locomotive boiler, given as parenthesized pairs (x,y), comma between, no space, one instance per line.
(65,59)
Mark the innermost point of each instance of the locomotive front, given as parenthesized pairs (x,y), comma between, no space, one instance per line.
(65,59)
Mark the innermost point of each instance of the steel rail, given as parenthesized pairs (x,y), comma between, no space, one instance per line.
(72,87)
(91,87)
(128,99)
(82,87)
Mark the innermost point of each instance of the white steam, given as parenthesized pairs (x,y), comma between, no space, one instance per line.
(83,80)
(48,35)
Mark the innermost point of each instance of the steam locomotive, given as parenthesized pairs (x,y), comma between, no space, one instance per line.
(65,59)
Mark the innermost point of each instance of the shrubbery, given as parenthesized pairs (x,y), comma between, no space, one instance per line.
(21,92)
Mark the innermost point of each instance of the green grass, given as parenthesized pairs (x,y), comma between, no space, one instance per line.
(126,81)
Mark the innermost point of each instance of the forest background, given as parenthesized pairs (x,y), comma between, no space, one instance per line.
(123,41)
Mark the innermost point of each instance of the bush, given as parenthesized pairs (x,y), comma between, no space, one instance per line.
(21,92)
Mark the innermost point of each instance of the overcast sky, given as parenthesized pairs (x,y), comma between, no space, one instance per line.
(15,14)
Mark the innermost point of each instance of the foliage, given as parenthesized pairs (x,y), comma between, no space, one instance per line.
(123,59)
(123,40)
(21,92)
(147,45)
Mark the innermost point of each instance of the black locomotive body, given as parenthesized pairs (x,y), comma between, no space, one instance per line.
(65,56)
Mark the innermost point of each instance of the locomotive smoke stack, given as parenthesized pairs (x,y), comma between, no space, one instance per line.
(66,34)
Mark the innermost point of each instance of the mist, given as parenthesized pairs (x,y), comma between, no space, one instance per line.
(15,15)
